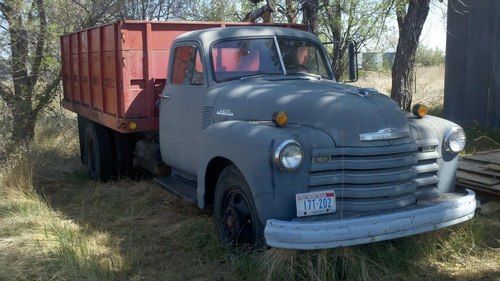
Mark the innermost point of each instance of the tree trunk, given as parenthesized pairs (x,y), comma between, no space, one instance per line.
(336,26)
(310,15)
(264,12)
(410,27)
(23,127)
(290,11)
(27,48)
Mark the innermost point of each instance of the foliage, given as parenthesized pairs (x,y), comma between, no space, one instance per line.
(22,91)
(361,21)
(210,10)
(429,57)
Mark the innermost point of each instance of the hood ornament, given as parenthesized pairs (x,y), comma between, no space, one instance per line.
(365,92)
(385,134)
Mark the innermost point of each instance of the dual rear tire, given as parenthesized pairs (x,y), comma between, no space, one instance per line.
(105,153)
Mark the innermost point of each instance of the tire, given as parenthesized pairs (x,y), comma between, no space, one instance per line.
(98,152)
(236,219)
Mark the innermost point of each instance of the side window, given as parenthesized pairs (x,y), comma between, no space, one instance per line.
(187,68)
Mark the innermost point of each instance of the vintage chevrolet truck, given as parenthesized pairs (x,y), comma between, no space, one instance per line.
(248,121)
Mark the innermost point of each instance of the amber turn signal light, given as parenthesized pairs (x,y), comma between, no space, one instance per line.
(419,110)
(132,125)
(280,118)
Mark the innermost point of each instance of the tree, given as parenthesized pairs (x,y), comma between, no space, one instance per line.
(310,15)
(26,96)
(411,18)
(213,10)
(341,21)
(263,12)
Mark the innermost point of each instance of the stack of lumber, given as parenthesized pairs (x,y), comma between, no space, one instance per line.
(480,172)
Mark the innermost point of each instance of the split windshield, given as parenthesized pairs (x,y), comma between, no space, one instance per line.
(235,59)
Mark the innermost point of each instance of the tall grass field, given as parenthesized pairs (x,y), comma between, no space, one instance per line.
(55,224)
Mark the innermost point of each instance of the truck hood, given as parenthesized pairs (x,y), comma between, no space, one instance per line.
(342,111)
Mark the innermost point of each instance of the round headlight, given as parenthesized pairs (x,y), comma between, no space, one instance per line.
(289,155)
(454,140)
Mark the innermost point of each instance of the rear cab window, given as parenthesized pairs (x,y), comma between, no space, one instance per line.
(187,67)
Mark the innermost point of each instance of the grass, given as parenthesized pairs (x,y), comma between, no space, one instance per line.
(55,224)
(429,84)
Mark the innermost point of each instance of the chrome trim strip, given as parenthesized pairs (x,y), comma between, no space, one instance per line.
(279,55)
(427,215)
(279,149)
(385,134)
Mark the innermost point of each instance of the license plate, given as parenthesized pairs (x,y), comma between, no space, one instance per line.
(315,203)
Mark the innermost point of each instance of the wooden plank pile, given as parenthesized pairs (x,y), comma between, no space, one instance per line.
(480,172)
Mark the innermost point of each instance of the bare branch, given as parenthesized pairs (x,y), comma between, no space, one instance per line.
(40,44)
(47,94)
(3,8)
(254,15)
(6,93)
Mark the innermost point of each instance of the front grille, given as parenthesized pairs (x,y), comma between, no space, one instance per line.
(208,115)
(427,168)
(368,179)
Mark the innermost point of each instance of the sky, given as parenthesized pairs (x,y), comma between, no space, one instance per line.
(434,31)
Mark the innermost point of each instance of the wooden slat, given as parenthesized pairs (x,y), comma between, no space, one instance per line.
(470,166)
(480,172)
(486,157)
(477,178)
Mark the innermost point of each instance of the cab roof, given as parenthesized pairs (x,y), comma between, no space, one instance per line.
(207,36)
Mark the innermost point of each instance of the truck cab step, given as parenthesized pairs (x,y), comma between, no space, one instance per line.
(183,188)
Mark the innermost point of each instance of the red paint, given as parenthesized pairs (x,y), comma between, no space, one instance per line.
(113,74)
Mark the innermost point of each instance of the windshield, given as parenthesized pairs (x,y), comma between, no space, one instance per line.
(302,57)
(240,58)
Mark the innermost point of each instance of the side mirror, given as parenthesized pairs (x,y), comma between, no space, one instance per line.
(353,61)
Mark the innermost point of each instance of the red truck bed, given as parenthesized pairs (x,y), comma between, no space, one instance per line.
(113,74)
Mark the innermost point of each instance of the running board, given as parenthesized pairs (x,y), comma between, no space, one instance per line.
(180,187)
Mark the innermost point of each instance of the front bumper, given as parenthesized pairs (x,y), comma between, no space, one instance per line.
(427,215)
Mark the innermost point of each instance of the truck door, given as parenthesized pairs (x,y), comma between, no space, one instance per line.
(182,108)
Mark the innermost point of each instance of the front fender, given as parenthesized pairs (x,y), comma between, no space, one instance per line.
(250,146)
(435,128)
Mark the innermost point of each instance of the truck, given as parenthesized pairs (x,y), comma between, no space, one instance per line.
(248,121)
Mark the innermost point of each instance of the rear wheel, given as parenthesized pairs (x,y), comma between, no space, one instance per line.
(97,152)
(235,214)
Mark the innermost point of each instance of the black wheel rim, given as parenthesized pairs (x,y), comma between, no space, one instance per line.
(237,221)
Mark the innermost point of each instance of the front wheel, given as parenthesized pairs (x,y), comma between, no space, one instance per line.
(235,214)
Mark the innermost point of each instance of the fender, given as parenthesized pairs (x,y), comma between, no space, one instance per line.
(250,146)
(435,128)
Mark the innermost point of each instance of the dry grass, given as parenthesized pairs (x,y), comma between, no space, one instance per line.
(57,225)
(429,84)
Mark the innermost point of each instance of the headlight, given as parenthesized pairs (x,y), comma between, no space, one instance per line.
(454,140)
(289,155)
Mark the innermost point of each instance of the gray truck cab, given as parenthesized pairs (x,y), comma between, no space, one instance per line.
(254,125)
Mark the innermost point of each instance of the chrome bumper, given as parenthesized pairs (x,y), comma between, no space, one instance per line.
(427,215)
